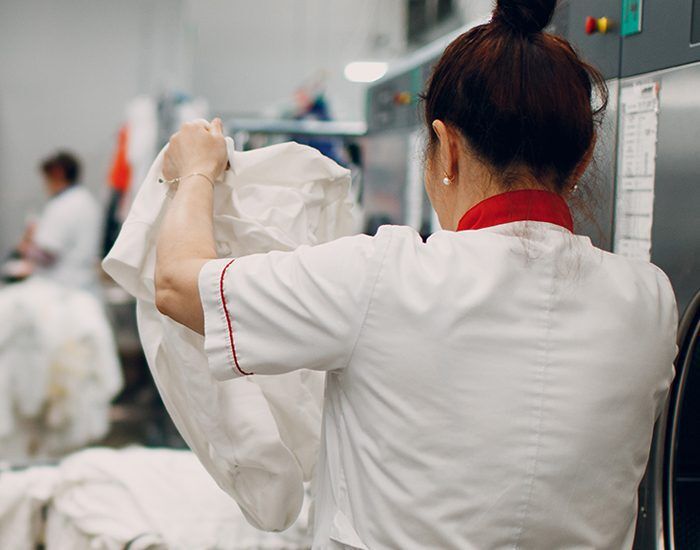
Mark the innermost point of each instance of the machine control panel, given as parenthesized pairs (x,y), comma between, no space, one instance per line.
(669,37)
(394,102)
(593,27)
(597,24)
(695,25)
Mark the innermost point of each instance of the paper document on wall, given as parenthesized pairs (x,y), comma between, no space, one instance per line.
(634,201)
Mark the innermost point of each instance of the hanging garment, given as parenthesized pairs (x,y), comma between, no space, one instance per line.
(258,438)
(119,182)
(107,499)
(142,146)
(59,369)
(120,173)
(136,146)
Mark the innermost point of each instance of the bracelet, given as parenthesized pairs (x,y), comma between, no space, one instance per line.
(178,179)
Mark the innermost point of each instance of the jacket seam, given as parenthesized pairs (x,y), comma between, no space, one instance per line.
(532,474)
(369,300)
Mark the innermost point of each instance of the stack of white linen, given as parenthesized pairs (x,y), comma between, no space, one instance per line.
(136,498)
(150,498)
(59,370)
(23,496)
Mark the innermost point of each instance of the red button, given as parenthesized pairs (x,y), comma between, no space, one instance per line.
(591,25)
(402,98)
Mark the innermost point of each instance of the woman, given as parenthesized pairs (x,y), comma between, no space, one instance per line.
(494,387)
(62,246)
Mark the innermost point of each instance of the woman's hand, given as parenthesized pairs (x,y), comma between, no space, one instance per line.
(197,147)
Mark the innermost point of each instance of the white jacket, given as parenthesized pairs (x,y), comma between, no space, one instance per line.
(493,388)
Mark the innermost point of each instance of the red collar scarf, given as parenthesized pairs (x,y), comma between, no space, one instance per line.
(515,206)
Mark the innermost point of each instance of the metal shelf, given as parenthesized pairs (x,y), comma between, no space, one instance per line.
(297,127)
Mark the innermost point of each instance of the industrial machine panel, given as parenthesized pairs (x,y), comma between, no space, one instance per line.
(675,233)
(670,494)
(386,160)
(596,219)
(669,37)
(393,118)
(392,103)
(593,27)
(695,29)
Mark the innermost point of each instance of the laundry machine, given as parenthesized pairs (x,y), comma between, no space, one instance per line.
(650,50)
(665,53)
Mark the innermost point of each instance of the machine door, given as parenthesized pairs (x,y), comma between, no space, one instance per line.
(682,471)
(675,233)
(670,494)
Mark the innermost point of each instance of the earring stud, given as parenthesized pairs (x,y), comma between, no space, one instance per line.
(446,181)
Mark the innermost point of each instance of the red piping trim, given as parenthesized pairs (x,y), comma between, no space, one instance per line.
(228,320)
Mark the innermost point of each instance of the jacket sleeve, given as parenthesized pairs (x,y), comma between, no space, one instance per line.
(282,311)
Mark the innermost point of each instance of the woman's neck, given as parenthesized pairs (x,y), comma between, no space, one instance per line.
(476,183)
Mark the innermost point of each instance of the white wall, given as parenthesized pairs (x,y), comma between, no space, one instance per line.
(67,68)
(252,55)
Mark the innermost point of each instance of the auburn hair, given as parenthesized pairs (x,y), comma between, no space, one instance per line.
(522,98)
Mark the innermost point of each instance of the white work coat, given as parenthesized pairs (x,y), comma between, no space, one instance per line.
(491,388)
(70,229)
(257,437)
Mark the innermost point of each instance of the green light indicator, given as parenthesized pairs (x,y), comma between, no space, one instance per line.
(631,17)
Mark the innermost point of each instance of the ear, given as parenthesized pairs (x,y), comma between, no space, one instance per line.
(447,148)
(584,163)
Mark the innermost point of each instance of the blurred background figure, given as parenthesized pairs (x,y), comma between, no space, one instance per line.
(59,369)
(62,245)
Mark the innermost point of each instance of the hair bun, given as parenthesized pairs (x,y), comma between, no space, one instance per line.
(524,16)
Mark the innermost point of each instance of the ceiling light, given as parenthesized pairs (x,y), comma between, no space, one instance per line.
(365,71)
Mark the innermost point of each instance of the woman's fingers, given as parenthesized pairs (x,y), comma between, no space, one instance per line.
(198,146)
(196,123)
(217,127)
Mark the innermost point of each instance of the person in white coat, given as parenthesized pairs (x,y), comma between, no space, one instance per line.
(63,245)
(493,387)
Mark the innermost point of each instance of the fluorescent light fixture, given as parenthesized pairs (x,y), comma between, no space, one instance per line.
(365,71)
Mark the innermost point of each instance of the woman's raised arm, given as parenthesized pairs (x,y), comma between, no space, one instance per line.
(197,156)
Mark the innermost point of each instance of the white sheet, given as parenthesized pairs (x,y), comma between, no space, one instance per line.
(22,496)
(107,499)
(258,437)
(59,369)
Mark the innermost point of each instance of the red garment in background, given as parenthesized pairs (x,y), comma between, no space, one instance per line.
(120,173)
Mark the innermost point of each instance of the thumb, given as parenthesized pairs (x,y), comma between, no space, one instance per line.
(217,127)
